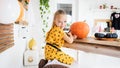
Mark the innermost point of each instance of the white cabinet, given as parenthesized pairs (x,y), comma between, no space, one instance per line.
(31,57)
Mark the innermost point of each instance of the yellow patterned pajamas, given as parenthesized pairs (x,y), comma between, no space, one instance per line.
(55,40)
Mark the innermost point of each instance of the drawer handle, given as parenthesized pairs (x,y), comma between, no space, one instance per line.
(30,59)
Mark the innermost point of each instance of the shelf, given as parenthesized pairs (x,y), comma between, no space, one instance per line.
(106,10)
(6,36)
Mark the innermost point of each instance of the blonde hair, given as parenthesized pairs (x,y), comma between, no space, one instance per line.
(58,12)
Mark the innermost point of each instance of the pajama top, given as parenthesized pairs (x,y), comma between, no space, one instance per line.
(55,38)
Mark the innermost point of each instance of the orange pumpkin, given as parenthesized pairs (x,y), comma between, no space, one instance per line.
(80,29)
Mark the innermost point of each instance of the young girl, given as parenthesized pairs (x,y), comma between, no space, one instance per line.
(55,39)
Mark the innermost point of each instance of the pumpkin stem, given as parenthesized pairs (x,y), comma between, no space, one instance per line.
(84,21)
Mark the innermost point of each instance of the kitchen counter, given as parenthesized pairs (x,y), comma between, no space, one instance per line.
(105,47)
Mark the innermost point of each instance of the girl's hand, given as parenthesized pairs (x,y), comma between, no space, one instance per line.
(69,37)
(74,36)
(69,34)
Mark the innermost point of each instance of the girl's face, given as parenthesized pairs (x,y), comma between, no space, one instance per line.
(60,21)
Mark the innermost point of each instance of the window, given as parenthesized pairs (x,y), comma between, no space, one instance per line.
(68,9)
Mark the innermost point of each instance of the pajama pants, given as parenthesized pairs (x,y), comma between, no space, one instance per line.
(52,53)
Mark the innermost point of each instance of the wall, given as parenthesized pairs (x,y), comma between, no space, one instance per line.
(89,10)
(13,57)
